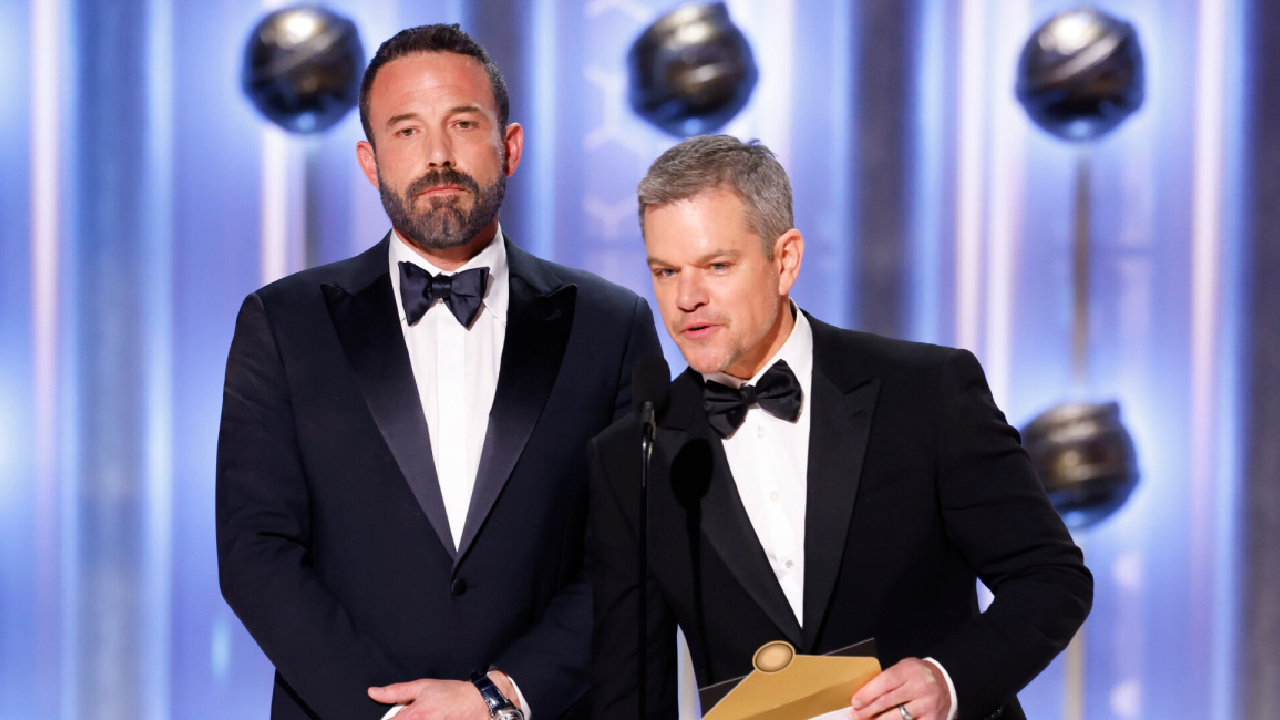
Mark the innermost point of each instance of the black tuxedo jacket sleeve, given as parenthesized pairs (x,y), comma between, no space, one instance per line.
(917,488)
(333,543)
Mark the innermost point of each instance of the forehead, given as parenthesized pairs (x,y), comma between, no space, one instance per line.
(430,76)
(709,220)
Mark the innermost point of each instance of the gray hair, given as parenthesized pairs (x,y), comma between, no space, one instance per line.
(722,162)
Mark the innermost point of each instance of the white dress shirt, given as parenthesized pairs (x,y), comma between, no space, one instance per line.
(769,459)
(456,371)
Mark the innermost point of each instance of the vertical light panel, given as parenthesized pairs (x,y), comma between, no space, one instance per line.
(284,208)
(1005,201)
(970,172)
(927,174)
(157,308)
(770,26)
(1206,238)
(55,666)
(840,201)
(275,204)
(1211,562)
(542,134)
(1229,520)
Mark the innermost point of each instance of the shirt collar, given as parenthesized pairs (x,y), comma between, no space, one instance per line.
(497,295)
(797,351)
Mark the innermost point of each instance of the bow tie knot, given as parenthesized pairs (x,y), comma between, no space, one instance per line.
(777,393)
(462,292)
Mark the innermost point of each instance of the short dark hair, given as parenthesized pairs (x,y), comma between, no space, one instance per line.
(723,162)
(433,38)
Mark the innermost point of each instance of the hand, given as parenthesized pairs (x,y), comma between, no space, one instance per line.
(430,699)
(917,684)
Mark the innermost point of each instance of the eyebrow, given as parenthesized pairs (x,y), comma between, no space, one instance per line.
(455,110)
(400,118)
(702,259)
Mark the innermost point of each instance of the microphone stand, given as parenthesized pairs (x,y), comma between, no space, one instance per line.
(649,429)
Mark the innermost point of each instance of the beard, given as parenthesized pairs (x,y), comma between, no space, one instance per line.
(439,223)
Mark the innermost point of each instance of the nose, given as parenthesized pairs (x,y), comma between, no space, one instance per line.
(439,150)
(691,292)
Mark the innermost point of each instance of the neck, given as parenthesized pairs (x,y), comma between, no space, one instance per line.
(753,362)
(455,257)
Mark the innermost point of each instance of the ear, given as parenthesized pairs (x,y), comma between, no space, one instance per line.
(513,142)
(788,250)
(368,161)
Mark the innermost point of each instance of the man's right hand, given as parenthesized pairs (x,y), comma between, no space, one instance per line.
(441,699)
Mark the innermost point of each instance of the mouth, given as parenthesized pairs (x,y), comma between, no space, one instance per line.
(698,330)
(441,190)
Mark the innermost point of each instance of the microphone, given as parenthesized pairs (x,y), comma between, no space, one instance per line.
(649,382)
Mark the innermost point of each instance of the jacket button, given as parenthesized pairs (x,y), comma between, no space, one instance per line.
(458,587)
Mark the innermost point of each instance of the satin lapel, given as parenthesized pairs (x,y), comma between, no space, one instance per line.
(368,327)
(692,449)
(539,318)
(838,433)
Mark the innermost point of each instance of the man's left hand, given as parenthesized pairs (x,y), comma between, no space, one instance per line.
(913,683)
(440,699)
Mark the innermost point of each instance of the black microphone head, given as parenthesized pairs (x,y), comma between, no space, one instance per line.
(649,381)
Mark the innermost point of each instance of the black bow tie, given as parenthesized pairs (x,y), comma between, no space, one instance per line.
(463,292)
(778,393)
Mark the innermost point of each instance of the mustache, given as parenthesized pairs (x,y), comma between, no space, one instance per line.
(443,176)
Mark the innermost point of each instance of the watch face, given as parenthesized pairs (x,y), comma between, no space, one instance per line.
(508,713)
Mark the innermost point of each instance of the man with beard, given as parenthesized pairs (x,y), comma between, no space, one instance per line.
(401,491)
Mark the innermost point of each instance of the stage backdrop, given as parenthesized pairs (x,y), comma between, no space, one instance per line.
(142,198)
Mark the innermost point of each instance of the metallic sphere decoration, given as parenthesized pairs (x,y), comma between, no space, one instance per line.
(1085,458)
(691,71)
(302,68)
(1080,75)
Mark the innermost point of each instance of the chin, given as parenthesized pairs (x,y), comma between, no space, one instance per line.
(703,362)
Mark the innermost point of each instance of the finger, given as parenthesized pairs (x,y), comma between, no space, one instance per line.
(397,692)
(888,703)
(879,685)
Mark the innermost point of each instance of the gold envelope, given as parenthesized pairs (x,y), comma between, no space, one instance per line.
(787,686)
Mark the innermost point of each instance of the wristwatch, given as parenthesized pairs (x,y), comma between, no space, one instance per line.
(500,708)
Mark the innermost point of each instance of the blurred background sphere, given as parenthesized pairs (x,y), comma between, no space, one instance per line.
(691,71)
(1080,74)
(302,68)
(1085,458)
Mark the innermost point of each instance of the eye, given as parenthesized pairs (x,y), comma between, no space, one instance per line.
(664,272)
(720,266)
(406,131)
(466,124)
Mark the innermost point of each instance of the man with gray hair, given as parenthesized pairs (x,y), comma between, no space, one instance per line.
(813,484)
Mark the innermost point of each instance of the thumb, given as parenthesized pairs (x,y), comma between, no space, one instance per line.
(396,693)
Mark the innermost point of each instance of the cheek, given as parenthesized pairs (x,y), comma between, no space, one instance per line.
(666,299)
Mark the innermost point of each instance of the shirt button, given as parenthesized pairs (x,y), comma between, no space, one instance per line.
(774,496)
(790,564)
(458,587)
(759,432)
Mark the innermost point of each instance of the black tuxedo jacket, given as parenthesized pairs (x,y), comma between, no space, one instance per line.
(917,488)
(333,544)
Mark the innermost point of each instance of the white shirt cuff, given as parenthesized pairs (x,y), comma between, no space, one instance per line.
(951,688)
(524,706)
(395,709)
